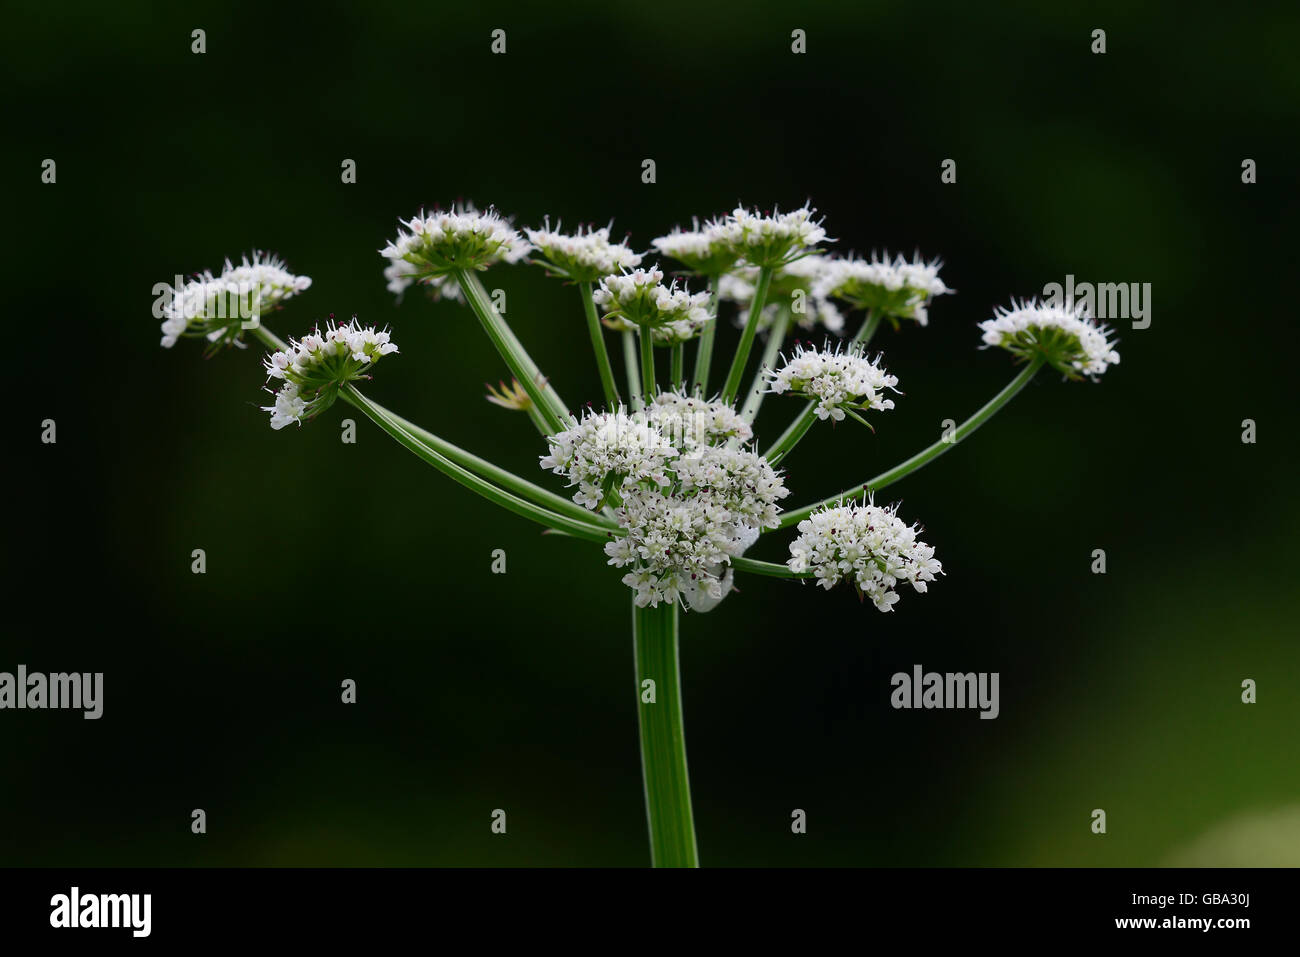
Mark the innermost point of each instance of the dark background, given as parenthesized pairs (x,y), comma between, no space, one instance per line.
(476,691)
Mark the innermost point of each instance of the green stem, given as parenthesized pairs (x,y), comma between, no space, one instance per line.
(630,364)
(596,331)
(678,364)
(793,433)
(767,569)
(926,455)
(732,386)
(775,339)
(507,500)
(468,460)
(869,327)
(663,738)
(647,337)
(704,351)
(554,412)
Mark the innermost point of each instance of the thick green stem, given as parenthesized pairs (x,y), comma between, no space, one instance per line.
(647,337)
(732,386)
(553,410)
(791,436)
(704,349)
(630,361)
(663,737)
(775,338)
(869,327)
(679,364)
(768,569)
(929,454)
(597,333)
(510,502)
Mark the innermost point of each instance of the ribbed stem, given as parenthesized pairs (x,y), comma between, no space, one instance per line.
(704,348)
(630,360)
(663,738)
(791,436)
(597,333)
(552,407)
(679,364)
(646,335)
(732,386)
(869,327)
(929,454)
(775,338)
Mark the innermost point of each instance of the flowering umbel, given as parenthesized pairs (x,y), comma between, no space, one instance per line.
(893,288)
(640,298)
(218,307)
(868,546)
(436,244)
(1063,336)
(314,367)
(839,381)
(581,256)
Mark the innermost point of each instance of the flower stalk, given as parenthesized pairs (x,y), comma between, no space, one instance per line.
(596,331)
(732,386)
(704,350)
(757,389)
(663,738)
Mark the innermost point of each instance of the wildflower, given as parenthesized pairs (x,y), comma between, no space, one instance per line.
(581,256)
(609,452)
(640,299)
(1064,336)
(315,367)
(217,306)
(401,274)
(688,421)
(792,284)
(867,545)
(705,250)
(838,381)
(772,240)
(439,243)
(893,288)
(512,396)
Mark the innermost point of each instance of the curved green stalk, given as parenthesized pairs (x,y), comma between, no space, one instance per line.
(704,349)
(468,460)
(732,386)
(596,331)
(630,361)
(663,737)
(775,339)
(929,454)
(793,433)
(498,496)
(553,410)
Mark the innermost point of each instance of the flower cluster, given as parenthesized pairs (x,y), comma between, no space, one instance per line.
(868,545)
(1064,336)
(705,250)
(893,288)
(401,274)
(217,306)
(439,243)
(836,380)
(774,239)
(581,256)
(792,283)
(640,299)
(688,499)
(314,367)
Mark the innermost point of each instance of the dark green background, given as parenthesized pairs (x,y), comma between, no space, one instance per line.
(329,561)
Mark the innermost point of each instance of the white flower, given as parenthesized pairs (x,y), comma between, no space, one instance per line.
(581,256)
(837,380)
(289,407)
(688,422)
(794,283)
(217,306)
(866,545)
(772,239)
(438,243)
(706,250)
(894,288)
(318,364)
(609,452)
(640,299)
(1064,336)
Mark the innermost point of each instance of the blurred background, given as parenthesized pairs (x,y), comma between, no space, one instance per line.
(477,691)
